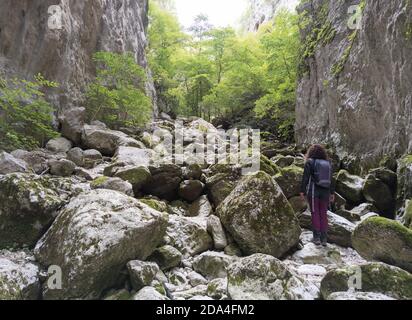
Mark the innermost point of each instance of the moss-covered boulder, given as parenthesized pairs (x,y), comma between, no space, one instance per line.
(155,204)
(29,204)
(283,161)
(350,187)
(290,180)
(19,276)
(221,181)
(340,229)
(385,240)
(93,239)
(188,236)
(263,277)
(371,277)
(386,176)
(404,172)
(380,195)
(268,166)
(298,204)
(259,217)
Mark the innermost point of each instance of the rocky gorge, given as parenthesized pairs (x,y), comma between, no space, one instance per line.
(95,215)
(118,225)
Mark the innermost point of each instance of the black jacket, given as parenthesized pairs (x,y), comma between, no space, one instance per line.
(319,192)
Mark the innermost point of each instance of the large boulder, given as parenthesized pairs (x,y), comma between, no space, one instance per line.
(340,229)
(263,277)
(164,181)
(188,236)
(350,187)
(72,122)
(370,277)
(386,176)
(94,237)
(385,240)
(19,276)
(59,145)
(221,181)
(10,164)
(380,195)
(290,180)
(105,140)
(28,206)
(259,217)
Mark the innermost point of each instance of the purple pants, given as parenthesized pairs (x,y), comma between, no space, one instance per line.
(319,209)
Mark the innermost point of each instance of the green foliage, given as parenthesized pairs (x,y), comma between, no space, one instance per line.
(117,95)
(25,115)
(217,73)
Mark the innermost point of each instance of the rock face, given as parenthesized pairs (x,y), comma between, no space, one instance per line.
(259,217)
(94,237)
(65,55)
(346,95)
(28,205)
(350,187)
(384,240)
(10,164)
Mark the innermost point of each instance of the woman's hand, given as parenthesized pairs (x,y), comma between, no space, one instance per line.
(302,197)
(332,198)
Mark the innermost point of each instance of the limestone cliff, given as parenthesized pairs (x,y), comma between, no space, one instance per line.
(28,45)
(355,86)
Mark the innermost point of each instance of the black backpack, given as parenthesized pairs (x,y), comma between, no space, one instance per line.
(322,173)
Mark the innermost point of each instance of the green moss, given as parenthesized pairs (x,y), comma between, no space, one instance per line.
(339,66)
(155,204)
(394,226)
(268,166)
(99,181)
(407,160)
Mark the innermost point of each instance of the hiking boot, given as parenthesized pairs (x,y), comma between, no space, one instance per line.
(324,239)
(316,238)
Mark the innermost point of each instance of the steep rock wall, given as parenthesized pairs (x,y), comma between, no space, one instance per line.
(28,45)
(355,91)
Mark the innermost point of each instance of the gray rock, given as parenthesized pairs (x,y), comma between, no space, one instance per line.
(59,145)
(361,296)
(190,190)
(118,295)
(38,160)
(212,265)
(263,277)
(201,207)
(340,229)
(92,158)
(192,172)
(76,155)
(164,181)
(312,254)
(93,239)
(72,121)
(350,187)
(19,276)
(290,180)
(116,184)
(107,141)
(62,167)
(141,273)
(217,289)
(259,217)
(215,228)
(149,293)
(188,236)
(10,164)
(167,257)
(379,194)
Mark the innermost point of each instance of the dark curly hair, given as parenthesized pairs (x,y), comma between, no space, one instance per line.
(317,151)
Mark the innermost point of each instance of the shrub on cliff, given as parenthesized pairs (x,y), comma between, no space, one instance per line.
(117,95)
(25,115)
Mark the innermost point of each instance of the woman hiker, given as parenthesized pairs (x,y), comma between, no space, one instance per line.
(318,189)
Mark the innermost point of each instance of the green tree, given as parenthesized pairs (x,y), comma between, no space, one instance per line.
(117,95)
(25,115)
